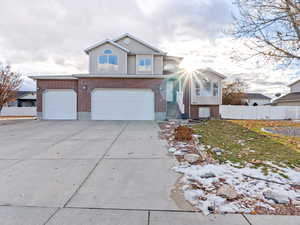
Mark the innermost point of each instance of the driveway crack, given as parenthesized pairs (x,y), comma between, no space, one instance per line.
(97,163)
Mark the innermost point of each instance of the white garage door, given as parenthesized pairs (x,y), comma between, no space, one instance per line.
(60,105)
(122,104)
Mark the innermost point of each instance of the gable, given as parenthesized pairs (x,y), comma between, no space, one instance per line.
(106,41)
(137,46)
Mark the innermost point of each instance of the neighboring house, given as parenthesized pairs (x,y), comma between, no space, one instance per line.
(255,99)
(128,79)
(292,98)
(24,99)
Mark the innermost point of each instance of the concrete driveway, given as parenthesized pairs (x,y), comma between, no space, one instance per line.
(92,172)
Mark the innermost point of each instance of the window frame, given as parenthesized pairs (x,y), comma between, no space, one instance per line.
(215,88)
(142,64)
(108,61)
(197,88)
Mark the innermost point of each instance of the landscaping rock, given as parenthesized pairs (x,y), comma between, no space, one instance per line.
(200,148)
(191,158)
(179,153)
(277,198)
(216,149)
(208,175)
(197,136)
(172,150)
(227,192)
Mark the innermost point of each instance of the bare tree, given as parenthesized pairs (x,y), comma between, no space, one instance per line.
(9,84)
(234,93)
(272,26)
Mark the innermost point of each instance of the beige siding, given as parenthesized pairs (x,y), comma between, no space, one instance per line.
(135,46)
(158,64)
(95,53)
(131,64)
(295,87)
(207,100)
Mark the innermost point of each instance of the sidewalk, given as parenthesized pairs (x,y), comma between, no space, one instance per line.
(79,216)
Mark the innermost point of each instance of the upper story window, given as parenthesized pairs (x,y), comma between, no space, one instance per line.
(197,88)
(108,61)
(145,64)
(205,87)
(215,89)
(206,90)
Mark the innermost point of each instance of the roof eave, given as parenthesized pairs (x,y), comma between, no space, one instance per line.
(104,42)
(139,40)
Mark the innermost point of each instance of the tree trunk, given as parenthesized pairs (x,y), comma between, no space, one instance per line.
(1,106)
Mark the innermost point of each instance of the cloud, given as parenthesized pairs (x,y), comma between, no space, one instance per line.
(39,37)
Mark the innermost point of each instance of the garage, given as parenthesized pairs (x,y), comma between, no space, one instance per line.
(122,104)
(60,105)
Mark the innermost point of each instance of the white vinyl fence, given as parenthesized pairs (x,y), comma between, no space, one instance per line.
(260,112)
(18,111)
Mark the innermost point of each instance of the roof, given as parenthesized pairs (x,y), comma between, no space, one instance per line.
(256,96)
(104,42)
(29,96)
(76,76)
(291,97)
(294,83)
(21,94)
(139,40)
(213,72)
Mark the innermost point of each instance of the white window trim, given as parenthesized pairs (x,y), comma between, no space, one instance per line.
(211,89)
(116,67)
(138,58)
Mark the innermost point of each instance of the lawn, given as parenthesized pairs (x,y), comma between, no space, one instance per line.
(245,144)
(257,125)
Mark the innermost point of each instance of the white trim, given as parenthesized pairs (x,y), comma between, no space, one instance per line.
(157,76)
(51,89)
(104,42)
(126,64)
(152,64)
(138,40)
(53,77)
(76,76)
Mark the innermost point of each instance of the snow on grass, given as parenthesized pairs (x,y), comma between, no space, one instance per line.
(201,192)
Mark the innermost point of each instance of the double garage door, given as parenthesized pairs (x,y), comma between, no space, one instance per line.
(106,104)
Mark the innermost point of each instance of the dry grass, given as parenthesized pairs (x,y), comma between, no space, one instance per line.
(245,145)
(257,125)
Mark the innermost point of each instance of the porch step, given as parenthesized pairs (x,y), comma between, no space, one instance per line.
(173,111)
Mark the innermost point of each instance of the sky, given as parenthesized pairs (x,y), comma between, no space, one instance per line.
(49,36)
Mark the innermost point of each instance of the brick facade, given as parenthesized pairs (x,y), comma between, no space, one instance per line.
(43,85)
(84,86)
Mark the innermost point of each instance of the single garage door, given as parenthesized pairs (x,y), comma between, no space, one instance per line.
(60,105)
(122,104)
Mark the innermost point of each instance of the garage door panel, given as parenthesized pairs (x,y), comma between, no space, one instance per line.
(60,105)
(123,104)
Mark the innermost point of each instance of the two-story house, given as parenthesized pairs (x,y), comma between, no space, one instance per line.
(292,98)
(128,79)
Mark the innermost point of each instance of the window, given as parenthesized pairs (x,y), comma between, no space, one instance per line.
(197,88)
(206,90)
(108,61)
(215,89)
(107,51)
(145,64)
(204,87)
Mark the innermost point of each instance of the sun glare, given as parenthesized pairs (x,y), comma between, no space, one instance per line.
(190,64)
